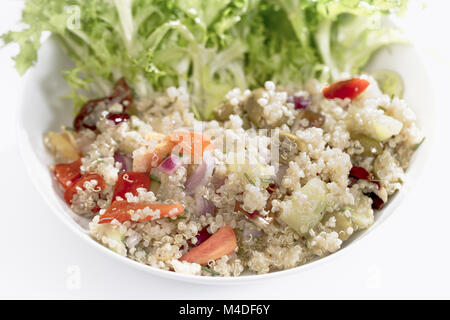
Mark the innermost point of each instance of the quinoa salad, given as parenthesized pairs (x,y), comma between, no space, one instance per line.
(224,138)
(282,177)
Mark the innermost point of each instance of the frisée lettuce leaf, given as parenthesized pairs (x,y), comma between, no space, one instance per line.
(209,46)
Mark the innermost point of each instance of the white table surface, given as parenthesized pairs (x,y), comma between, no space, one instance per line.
(406,257)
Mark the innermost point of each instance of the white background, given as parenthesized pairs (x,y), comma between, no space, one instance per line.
(406,257)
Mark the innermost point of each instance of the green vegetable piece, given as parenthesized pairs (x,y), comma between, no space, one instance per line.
(224,111)
(253,108)
(250,180)
(380,128)
(290,146)
(390,82)
(301,218)
(155,178)
(371,146)
(269,181)
(210,271)
(209,47)
(419,144)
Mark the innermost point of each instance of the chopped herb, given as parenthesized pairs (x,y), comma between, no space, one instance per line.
(136,128)
(181,187)
(269,181)
(68,128)
(167,155)
(155,178)
(210,271)
(419,144)
(101,160)
(135,94)
(249,179)
(175,219)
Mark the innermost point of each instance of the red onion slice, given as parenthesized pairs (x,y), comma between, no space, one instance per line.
(377,202)
(363,174)
(251,215)
(133,240)
(300,102)
(218,182)
(118,118)
(360,173)
(204,206)
(88,115)
(201,236)
(126,162)
(201,175)
(170,164)
(249,234)
(281,173)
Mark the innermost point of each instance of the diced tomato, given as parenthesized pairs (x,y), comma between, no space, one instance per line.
(96,209)
(72,190)
(122,210)
(152,158)
(346,89)
(67,173)
(191,142)
(129,181)
(221,243)
(189,136)
(179,142)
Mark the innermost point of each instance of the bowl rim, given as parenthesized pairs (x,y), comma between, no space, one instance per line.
(25,150)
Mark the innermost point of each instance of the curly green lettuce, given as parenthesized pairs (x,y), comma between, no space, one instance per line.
(208,46)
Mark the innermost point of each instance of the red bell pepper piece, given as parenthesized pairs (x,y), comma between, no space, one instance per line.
(67,173)
(72,190)
(121,211)
(129,181)
(345,89)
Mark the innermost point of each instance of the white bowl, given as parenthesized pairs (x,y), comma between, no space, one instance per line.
(42,109)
